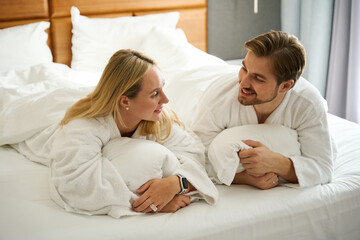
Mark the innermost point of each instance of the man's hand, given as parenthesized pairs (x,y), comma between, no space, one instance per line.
(260,160)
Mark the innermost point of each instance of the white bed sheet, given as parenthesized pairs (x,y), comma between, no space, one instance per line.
(330,211)
(322,212)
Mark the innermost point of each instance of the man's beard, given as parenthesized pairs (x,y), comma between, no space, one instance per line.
(257,101)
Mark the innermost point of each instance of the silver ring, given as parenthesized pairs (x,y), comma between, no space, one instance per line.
(153,207)
(274,182)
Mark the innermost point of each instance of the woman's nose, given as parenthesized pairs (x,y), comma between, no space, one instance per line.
(164,98)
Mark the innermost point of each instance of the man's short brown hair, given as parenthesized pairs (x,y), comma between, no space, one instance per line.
(286,52)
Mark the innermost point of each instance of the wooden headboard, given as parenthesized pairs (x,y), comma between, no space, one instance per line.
(193,17)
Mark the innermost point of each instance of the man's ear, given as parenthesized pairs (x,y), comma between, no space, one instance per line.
(287,85)
(123,101)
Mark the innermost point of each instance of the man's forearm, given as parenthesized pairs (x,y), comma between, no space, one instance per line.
(286,170)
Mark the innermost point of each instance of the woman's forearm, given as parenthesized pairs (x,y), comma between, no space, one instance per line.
(191,188)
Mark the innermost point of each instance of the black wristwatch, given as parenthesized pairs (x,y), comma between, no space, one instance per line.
(183,183)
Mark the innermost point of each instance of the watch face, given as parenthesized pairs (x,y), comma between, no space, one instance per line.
(185,183)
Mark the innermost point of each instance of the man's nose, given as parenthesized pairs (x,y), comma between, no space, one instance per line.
(244,80)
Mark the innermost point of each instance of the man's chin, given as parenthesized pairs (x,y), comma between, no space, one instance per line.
(245,103)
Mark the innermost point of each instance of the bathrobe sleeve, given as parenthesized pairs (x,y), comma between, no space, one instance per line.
(215,109)
(82,180)
(205,125)
(315,164)
(191,153)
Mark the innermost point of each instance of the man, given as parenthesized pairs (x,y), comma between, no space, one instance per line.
(269,90)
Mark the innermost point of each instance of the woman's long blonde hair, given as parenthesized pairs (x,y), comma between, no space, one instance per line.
(122,76)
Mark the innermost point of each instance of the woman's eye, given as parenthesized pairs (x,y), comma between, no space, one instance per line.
(155,94)
(243,68)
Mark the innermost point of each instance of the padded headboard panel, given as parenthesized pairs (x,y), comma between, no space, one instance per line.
(193,17)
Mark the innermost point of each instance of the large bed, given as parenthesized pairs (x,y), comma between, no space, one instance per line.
(178,43)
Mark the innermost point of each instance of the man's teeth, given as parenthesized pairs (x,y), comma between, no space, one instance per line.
(247,92)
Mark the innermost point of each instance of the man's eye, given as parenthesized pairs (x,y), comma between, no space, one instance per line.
(259,79)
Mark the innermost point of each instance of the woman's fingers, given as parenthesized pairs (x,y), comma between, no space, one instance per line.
(140,201)
(158,192)
(143,206)
(143,188)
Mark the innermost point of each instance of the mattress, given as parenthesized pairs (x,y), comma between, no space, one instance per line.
(328,211)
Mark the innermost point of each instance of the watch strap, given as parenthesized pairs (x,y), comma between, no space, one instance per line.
(183,184)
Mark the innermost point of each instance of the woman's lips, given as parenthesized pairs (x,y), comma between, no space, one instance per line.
(158,110)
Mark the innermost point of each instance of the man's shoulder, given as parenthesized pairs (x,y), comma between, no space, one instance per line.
(304,91)
(304,105)
(222,89)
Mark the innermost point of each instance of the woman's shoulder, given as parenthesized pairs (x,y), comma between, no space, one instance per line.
(98,126)
(82,123)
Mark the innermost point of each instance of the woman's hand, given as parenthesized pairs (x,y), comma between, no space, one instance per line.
(158,192)
(266,181)
(179,201)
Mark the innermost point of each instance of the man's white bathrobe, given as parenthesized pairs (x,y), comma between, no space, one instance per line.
(84,180)
(302,109)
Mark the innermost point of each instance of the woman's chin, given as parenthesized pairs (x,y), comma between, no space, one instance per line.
(156,118)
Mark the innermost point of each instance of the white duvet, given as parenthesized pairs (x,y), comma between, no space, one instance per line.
(34,99)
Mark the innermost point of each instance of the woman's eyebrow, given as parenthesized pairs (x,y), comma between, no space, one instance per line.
(158,88)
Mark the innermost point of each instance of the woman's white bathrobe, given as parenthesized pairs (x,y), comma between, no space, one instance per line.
(302,109)
(85,181)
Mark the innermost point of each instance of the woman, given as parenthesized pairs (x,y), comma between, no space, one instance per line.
(128,101)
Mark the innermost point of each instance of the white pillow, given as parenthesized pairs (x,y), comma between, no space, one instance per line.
(223,151)
(24,46)
(140,160)
(171,50)
(95,40)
